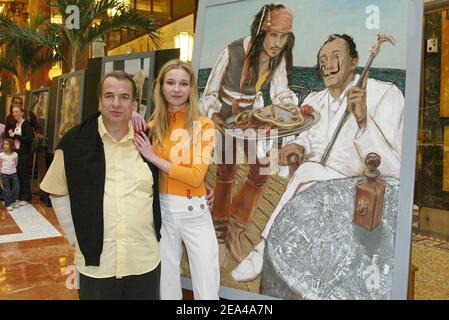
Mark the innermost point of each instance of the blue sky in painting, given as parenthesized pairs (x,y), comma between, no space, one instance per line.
(313,21)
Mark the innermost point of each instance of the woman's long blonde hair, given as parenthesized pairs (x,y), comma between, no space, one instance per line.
(160,127)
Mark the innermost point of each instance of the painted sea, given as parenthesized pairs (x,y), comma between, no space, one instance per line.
(306,80)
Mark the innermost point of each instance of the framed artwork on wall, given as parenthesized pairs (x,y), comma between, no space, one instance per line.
(304,229)
(69,104)
(39,103)
(142,67)
(97,67)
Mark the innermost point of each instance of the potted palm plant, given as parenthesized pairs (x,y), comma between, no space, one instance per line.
(95,21)
(22,53)
(41,41)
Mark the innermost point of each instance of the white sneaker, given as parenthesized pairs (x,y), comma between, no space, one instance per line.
(23,203)
(9,208)
(250,267)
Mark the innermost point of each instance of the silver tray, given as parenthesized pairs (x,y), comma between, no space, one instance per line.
(251,134)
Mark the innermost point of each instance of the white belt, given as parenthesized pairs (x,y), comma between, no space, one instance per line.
(175,204)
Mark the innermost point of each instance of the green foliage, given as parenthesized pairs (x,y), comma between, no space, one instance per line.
(95,23)
(41,41)
(26,47)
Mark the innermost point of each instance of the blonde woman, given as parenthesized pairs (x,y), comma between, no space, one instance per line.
(22,136)
(182,144)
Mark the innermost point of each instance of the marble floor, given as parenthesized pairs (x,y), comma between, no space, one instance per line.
(36,263)
(35,260)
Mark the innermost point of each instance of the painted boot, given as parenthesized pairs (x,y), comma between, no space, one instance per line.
(242,210)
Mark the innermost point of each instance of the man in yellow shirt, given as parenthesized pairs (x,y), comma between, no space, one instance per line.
(107,200)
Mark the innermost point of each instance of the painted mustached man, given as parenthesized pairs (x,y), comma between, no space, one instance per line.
(243,69)
(374,125)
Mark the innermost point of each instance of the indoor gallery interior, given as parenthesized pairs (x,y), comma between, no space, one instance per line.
(36,261)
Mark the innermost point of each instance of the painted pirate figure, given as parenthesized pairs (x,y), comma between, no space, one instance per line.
(375,124)
(243,69)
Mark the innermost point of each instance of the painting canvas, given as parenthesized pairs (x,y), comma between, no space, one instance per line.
(141,67)
(318,94)
(39,103)
(69,104)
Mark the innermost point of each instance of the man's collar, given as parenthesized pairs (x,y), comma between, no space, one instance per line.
(103,131)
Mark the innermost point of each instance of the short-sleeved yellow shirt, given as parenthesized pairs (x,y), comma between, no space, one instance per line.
(130,246)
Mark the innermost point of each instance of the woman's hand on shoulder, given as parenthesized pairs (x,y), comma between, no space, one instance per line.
(138,122)
(143,144)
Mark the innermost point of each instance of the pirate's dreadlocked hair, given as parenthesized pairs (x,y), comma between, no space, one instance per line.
(257,41)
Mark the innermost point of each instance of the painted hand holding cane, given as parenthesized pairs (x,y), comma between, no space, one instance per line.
(374,51)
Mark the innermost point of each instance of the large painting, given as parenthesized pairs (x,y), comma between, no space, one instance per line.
(69,104)
(141,67)
(313,171)
(39,103)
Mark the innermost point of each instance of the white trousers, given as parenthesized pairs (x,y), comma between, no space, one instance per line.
(189,221)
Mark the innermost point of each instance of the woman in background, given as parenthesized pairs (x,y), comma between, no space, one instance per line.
(22,136)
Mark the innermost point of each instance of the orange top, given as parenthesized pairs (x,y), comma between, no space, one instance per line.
(189,161)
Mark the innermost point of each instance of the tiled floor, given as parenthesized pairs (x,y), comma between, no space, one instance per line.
(8,226)
(36,269)
(35,260)
(431,256)
(37,263)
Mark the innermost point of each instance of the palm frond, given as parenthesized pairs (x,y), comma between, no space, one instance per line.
(9,31)
(29,46)
(38,21)
(126,19)
(132,19)
(6,64)
(58,37)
